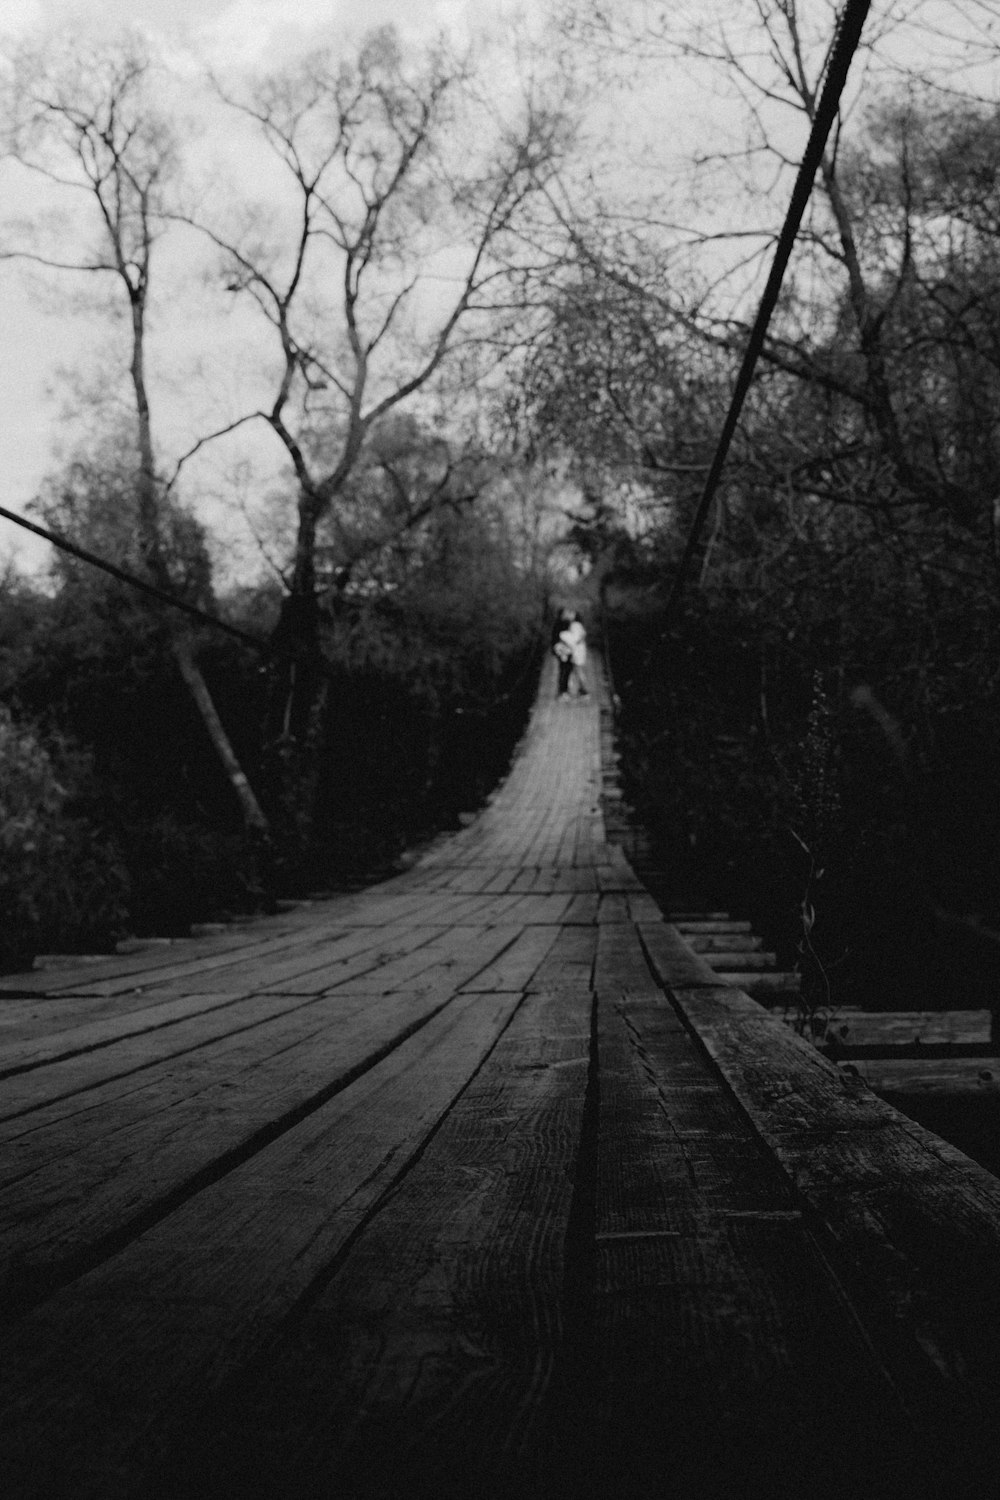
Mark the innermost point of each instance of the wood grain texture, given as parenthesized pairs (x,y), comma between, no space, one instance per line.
(121,1363)
(949,1076)
(479,1183)
(913,1222)
(715,1319)
(863,1028)
(425,1365)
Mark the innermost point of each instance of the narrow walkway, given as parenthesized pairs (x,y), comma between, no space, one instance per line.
(475,1184)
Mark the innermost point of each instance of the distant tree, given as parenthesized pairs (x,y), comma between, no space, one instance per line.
(408,202)
(86,122)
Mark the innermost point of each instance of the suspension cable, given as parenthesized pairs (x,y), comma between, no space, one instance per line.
(123,576)
(842,52)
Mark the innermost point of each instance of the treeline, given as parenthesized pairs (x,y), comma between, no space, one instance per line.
(348,295)
(813,728)
(116,815)
(435,333)
(820,756)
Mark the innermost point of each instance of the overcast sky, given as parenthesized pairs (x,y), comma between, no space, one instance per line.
(41,333)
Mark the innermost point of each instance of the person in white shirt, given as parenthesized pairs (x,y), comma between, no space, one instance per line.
(575,638)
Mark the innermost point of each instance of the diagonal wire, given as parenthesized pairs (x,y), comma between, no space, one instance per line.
(123,576)
(845,45)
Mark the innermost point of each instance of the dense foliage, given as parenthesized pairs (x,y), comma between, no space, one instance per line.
(117,815)
(813,734)
(818,748)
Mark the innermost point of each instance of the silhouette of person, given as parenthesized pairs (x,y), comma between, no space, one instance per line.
(563,651)
(575,637)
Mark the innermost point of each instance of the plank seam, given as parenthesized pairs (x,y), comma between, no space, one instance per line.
(259,1361)
(828,1256)
(35,1285)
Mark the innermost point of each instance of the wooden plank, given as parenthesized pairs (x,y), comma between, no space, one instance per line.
(621,966)
(721,942)
(642,908)
(702,926)
(71,979)
(39,1019)
(953,1076)
(679,918)
(569,963)
(580,880)
(715,1321)
(83,1181)
(762,984)
(613,908)
(582,909)
(123,1364)
(428,1363)
(186,968)
(912,1222)
(853,1027)
(252,941)
(450,957)
(738,963)
(539,910)
(515,967)
(109,1031)
(672,959)
(312,970)
(613,878)
(56,1084)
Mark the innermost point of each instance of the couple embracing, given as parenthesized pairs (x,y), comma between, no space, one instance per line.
(569,643)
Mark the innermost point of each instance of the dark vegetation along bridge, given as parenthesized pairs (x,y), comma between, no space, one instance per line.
(480,1182)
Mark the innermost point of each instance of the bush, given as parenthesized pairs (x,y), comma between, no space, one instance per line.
(61,883)
(183,873)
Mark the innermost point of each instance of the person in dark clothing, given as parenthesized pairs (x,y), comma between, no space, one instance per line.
(563,653)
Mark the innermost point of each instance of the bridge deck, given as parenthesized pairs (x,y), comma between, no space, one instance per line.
(477,1183)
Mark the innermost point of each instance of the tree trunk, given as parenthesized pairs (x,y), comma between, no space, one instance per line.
(298,674)
(254,819)
(253,815)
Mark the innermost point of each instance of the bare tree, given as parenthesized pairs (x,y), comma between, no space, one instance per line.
(834,354)
(86,124)
(400,235)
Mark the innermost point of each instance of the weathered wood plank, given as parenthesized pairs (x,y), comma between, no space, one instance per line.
(737,963)
(642,908)
(83,1182)
(70,978)
(426,1363)
(700,926)
(975,1076)
(101,1056)
(912,1222)
(453,957)
(685,1257)
(852,1027)
(613,908)
(714,1320)
(621,966)
(569,963)
(156,1022)
(672,958)
(721,942)
(123,1364)
(762,984)
(515,967)
(582,909)
(539,910)
(252,942)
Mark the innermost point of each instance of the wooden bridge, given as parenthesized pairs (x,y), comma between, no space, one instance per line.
(479,1183)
